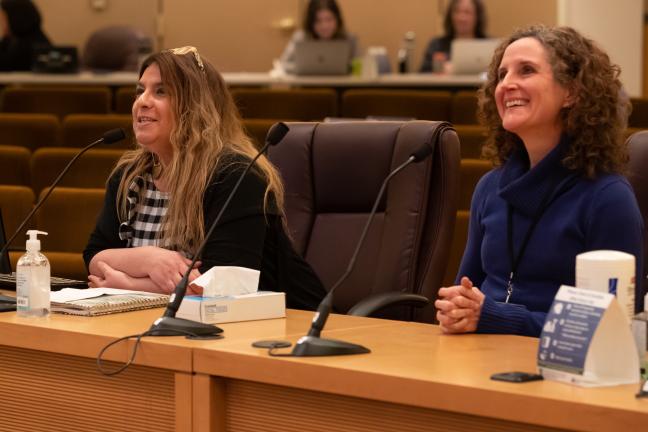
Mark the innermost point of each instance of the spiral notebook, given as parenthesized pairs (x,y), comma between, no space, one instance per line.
(103,301)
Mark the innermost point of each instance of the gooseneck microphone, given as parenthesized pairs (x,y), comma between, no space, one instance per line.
(109,137)
(312,344)
(168,324)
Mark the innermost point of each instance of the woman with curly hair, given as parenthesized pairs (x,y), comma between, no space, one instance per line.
(163,196)
(555,111)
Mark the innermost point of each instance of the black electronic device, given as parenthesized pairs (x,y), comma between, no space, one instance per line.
(55,59)
(168,324)
(516,377)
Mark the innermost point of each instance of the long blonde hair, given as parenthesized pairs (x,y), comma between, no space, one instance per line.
(207,128)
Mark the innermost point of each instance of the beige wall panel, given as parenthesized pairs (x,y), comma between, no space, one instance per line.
(70,22)
(504,16)
(236,35)
(245,35)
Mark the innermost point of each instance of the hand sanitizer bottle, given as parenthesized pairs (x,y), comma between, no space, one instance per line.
(33,280)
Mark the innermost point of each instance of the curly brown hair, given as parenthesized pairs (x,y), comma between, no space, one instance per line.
(595,121)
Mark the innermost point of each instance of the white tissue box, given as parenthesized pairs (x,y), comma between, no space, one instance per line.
(246,307)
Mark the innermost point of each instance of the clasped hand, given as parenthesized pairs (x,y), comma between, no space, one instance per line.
(459,307)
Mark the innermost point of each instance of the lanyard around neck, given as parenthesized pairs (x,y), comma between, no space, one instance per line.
(514,258)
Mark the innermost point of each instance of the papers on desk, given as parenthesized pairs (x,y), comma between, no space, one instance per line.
(586,340)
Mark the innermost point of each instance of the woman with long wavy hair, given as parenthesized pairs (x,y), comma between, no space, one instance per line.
(556,112)
(161,197)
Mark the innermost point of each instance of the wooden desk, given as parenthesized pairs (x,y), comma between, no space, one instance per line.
(259,79)
(49,379)
(414,379)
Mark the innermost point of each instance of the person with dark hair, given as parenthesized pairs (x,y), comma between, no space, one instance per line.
(555,112)
(322,21)
(465,19)
(20,28)
(163,196)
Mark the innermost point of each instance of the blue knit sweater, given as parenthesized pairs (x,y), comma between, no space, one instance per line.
(583,215)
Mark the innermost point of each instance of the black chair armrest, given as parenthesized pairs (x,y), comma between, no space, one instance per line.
(374,303)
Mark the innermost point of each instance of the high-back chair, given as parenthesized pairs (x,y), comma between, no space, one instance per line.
(411,104)
(29,130)
(638,177)
(68,216)
(639,115)
(124,98)
(332,173)
(16,202)
(90,171)
(79,130)
(286,104)
(14,165)
(59,101)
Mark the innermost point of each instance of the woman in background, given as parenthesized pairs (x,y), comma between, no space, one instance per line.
(163,196)
(555,111)
(20,28)
(464,19)
(322,21)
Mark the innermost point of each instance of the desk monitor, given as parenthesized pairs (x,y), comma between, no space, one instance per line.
(472,56)
(314,57)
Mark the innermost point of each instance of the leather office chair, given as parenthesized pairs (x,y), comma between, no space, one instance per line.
(638,177)
(332,173)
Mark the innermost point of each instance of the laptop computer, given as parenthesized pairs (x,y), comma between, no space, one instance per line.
(472,56)
(8,279)
(55,59)
(316,57)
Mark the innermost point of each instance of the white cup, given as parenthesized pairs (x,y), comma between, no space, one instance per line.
(611,272)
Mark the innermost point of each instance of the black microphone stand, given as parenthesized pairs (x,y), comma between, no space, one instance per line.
(109,137)
(168,324)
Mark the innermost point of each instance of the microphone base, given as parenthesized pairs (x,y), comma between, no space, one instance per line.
(171,326)
(311,346)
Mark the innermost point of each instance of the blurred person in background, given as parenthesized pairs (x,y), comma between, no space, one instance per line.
(20,28)
(322,21)
(464,19)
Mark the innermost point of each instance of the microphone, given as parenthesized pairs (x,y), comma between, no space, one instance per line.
(109,137)
(312,344)
(168,324)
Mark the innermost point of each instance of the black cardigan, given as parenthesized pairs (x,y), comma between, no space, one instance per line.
(246,236)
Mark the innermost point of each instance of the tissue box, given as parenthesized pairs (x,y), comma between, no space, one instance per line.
(245,307)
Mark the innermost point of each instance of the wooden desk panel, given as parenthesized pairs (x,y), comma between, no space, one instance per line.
(414,365)
(44,391)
